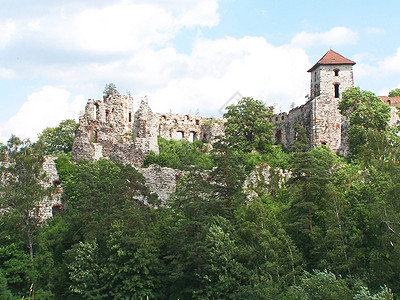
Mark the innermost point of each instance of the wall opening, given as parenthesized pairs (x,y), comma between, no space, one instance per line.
(197,122)
(95,137)
(180,135)
(336,72)
(96,111)
(337,92)
(192,136)
(323,143)
(278,137)
(130,117)
(187,118)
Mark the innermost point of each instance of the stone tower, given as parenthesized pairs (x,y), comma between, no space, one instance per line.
(330,77)
(320,116)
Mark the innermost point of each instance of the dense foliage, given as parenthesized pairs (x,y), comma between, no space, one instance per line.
(394,93)
(180,155)
(331,231)
(59,139)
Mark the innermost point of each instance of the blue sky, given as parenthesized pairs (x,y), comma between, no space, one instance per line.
(185,56)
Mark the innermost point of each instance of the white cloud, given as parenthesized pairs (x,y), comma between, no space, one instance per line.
(334,37)
(203,14)
(392,63)
(374,31)
(124,26)
(6,73)
(45,108)
(221,67)
(8,30)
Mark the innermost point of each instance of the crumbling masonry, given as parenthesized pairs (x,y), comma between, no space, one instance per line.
(111,129)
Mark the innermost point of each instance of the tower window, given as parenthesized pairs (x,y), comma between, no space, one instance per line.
(336,72)
(337,93)
(130,117)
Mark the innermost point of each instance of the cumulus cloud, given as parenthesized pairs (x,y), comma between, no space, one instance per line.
(8,30)
(334,37)
(392,63)
(249,65)
(6,73)
(45,108)
(124,26)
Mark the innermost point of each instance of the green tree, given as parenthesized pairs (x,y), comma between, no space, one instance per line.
(365,111)
(110,90)
(322,285)
(4,291)
(248,126)
(59,139)
(266,248)
(22,191)
(180,155)
(98,193)
(394,93)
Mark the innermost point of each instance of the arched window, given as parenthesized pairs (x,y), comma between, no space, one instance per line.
(337,92)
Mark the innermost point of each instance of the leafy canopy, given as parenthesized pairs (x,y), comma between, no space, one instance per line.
(365,111)
(109,90)
(59,139)
(248,126)
(394,93)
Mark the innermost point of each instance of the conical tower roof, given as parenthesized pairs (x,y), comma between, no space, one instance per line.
(332,58)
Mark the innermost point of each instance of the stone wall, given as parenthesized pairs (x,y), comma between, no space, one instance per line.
(160,180)
(53,203)
(189,127)
(265,178)
(103,125)
(108,129)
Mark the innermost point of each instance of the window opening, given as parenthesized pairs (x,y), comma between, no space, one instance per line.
(337,93)
(179,135)
(192,136)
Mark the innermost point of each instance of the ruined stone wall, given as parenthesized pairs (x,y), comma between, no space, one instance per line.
(108,129)
(103,125)
(189,127)
(394,116)
(284,123)
(53,203)
(160,180)
(145,134)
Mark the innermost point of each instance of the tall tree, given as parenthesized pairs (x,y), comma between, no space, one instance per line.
(59,139)
(23,190)
(365,111)
(110,90)
(248,126)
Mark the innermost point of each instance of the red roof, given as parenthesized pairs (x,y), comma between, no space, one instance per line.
(332,58)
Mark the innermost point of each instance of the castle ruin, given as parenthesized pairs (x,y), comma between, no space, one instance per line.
(111,129)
